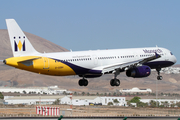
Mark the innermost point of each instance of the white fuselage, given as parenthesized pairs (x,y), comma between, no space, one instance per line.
(98,59)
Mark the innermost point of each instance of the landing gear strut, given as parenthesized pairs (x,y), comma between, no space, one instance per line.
(83,82)
(115,81)
(159,77)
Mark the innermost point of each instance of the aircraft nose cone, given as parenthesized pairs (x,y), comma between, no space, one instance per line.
(174,60)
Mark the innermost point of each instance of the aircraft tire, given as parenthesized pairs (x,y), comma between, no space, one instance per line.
(85,82)
(80,82)
(112,82)
(117,82)
(159,77)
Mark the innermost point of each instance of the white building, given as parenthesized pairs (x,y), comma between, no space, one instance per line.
(121,100)
(36,90)
(29,100)
(95,100)
(56,90)
(76,100)
(19,90)
(135,90)
(86,100)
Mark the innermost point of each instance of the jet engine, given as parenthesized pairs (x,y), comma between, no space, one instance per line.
(138,72)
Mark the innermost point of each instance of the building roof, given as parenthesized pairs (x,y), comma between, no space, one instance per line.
(55,97)
(135,88)
(84,97)
(35,97)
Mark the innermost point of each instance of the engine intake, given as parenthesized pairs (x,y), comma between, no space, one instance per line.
(138,72)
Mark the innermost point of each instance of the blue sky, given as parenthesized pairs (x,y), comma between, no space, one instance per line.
(98,24)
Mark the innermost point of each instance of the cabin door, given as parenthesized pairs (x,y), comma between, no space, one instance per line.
(46,63)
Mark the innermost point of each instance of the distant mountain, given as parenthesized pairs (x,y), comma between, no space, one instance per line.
(10,76)
(177,65)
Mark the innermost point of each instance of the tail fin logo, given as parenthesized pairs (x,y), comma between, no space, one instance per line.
(19,46)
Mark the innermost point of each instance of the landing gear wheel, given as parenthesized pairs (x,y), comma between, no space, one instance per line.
(80,82)
(83,82)
(117,82)
(114,82)
(159,77)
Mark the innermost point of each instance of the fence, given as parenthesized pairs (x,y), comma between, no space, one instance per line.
(48,111)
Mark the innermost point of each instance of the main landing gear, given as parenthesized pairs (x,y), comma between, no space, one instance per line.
(83,82)
(159,77)
(115,81)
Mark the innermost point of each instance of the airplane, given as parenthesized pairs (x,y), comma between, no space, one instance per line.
(136,62)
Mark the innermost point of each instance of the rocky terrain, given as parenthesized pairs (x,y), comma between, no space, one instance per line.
(18,78)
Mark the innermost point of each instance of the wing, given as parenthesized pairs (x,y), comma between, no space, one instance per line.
(128,65)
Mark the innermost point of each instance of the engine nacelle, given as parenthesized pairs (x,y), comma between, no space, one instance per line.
(138,72)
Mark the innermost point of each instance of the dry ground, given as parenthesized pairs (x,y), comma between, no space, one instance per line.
(93,111)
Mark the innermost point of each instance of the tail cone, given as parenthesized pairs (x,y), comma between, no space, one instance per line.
(4,61)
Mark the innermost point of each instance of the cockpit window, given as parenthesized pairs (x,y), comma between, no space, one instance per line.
(171,53)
